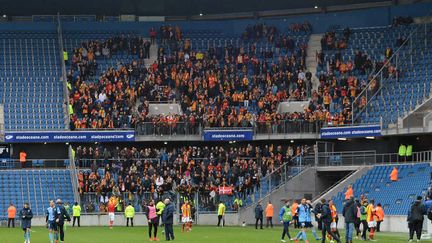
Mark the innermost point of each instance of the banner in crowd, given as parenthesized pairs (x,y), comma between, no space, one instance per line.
(70,136)
(225,190)
(228,135)
(351,132)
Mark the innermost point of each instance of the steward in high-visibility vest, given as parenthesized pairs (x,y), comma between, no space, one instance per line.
(129,214)
(76,213)
(402,150)
(409,150)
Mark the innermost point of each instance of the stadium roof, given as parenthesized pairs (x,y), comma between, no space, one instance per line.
(159,7)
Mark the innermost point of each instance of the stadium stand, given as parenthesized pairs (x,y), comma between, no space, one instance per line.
(349,61)
(413,180)
(30,84)
(134,173)
(36,186)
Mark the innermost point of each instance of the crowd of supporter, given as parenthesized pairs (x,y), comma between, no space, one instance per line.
(224,86)
(259,31)
(341,81)
(138,174)
(332,41)
(402,20)
(300,27)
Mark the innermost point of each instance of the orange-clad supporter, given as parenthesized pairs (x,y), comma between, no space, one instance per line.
(11,215)
(379,211)
(349,192)
(394,174)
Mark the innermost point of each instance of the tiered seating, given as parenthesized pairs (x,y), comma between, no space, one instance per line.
(251,174)
(36,187)
(395,197)
(30,85)
(399,96)
(73,40)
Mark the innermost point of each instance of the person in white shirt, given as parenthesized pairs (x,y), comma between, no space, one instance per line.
(159,181)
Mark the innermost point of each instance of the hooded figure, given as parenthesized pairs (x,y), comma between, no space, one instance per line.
(415,218)
(350,214)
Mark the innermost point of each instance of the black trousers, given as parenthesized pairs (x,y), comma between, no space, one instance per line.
(76,218)
(269,221)
(417,227)
(365,228)
(320,224)
(357,226)
(11,221)
(221,220)
(256,223)
(169,232)
(286,230)
(153,225)
(127,222)
(296,222)
(60,229)
(326,229)
(378,226)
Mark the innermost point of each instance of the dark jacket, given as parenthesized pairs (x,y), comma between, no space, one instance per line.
(350,211)
(168,214)
(259,212)
(417,212)
(61,214)
(326,214)
(26,216)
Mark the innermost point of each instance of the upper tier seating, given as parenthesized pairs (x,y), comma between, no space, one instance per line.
(395,197)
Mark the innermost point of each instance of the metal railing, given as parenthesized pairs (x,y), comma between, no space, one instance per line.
(402,60)
(64,74)
(363,158)
(168,128)
(74,176)
(101,162)
(287,126)
(9,164)
(2,123)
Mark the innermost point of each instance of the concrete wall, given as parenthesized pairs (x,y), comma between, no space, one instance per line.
(343,184)
(297,187)
(141,220)
(392,223)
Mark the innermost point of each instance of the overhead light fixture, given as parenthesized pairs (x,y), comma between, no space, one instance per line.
(165,143)
(201,14)
(292,141)
(67,143)
(316,6)
(45,143)
(370,137)
(4,15)
(342,139)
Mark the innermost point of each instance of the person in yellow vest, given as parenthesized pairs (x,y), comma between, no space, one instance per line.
(76,214)
(71,111)
(269,211)
(221,214)
(409,151)
(402,152)
(65,56)
(129,214)
(160,206)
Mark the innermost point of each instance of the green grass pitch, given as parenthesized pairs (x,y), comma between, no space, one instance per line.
(199,234)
